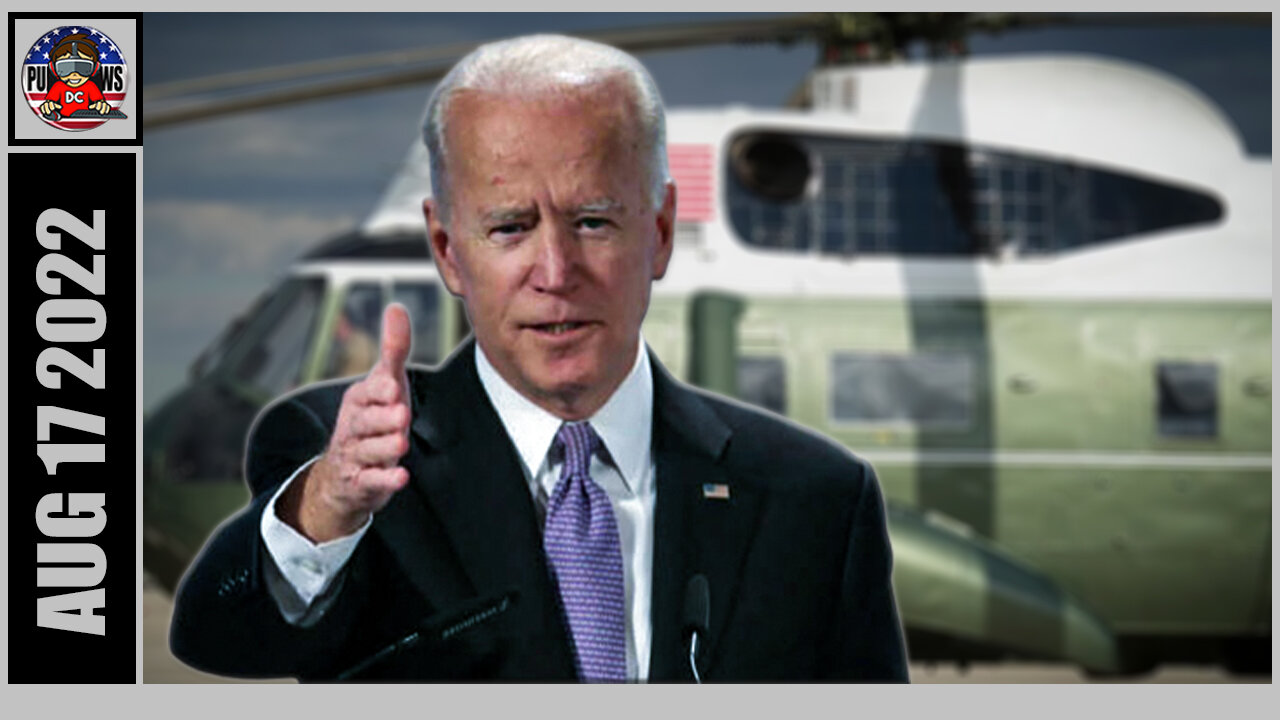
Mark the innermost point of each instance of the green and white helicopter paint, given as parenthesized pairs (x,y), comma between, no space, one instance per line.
(1034,292)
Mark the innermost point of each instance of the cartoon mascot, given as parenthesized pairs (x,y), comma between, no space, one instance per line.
(74,60)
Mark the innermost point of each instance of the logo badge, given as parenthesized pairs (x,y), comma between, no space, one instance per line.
(75,77)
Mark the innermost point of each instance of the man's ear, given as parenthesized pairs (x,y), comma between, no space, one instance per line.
(442,249)
(666,231)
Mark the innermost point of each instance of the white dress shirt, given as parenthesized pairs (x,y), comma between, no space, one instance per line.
(304,571)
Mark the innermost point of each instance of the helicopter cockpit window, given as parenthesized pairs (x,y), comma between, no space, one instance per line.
(423,301)
(277,339)
(355,332)
(850,196)
(923,389)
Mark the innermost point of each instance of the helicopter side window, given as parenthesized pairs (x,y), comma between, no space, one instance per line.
(923,389)
(278,338)
(847,196)
(1125,205)
(354,346)
(423,301)
(1011,203)
(762,382)
(1188,399)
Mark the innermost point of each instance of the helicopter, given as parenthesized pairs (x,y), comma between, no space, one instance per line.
(1033,291)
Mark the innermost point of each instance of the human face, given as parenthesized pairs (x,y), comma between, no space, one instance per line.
(74,79)
(552,240)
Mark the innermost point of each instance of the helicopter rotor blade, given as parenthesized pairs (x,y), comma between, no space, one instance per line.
(203,110)
(657,37)
(996,22)
(432,63)
(312,69)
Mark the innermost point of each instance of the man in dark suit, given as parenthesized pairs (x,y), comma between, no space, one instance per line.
(550,504)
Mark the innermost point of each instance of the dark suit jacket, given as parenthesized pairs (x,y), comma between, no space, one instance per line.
(797,558)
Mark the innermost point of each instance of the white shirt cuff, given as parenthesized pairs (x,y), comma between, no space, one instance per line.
(309,569)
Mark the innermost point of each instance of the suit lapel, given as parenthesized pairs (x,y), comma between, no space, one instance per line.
(694,534)
(469,485)
(474,482)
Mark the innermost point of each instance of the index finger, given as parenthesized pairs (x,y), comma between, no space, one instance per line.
(396,339)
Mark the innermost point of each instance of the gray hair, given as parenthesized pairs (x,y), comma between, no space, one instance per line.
(537,64)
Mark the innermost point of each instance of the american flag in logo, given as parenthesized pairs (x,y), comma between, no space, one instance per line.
(694,175)
(111,76)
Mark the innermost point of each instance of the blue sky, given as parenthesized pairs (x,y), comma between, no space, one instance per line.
(230,202)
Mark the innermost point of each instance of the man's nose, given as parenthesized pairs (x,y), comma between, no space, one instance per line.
(555,266)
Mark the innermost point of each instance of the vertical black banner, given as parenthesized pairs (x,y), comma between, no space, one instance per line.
(72,489)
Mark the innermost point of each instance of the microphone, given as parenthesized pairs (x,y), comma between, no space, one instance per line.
(440,627)
(697,617)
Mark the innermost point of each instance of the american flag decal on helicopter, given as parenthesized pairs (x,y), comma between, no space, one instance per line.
(692,171)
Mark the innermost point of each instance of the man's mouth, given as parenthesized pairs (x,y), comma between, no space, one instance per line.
(559,328)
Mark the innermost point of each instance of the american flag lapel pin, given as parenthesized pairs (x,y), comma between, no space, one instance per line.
(715,491)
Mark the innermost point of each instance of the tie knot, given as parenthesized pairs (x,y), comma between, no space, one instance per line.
(577,442)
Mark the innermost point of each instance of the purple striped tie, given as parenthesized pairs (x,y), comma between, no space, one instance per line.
(582,546)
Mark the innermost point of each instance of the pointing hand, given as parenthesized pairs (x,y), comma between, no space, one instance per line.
(359,471)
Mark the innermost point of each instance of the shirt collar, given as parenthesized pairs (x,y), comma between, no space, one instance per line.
(624,423)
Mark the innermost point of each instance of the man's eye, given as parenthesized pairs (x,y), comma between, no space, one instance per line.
(593,223)
(507,229)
